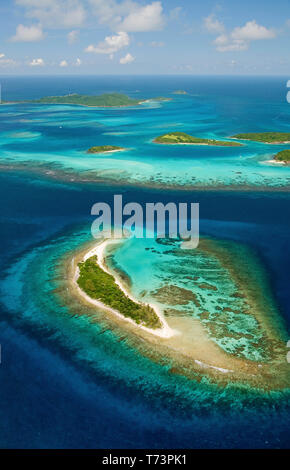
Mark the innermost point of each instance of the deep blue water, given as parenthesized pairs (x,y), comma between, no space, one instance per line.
(47,398)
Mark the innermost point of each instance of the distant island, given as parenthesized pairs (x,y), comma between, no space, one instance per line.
(160,98)
(105,149)
(183,138)
(179,92)
(100,285)
(105,100)
(283,157)
(265,137)
(94,278)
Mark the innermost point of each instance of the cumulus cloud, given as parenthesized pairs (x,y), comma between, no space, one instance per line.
(63,63)
(240,38)
(213,25)
(129,15)
(147,18)
(127,59)
(55,13)
(28,33)
(119,15)
(72,36)
(78,62)
(111,44)
(225,43)
(37,63)
(6,62)
(252,32)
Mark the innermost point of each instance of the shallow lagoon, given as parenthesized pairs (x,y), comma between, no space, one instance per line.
(68,383)
(237,105)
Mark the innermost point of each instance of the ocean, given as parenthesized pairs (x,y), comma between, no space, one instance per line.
(66,382)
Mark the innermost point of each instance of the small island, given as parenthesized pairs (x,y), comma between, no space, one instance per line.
(265,137)
(180,92)
(165,323)
(106,100)
(105,149)
(161,98)
(100,285)
(183,138)
(283,157)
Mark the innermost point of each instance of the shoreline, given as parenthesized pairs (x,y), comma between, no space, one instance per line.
(99,251)
(197,143)
(260,142)
(276,162)
(188,347)
(106,151)
(75,104)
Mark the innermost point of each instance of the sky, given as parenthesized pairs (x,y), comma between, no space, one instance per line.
(249,37)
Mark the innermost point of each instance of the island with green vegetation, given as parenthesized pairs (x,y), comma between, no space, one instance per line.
(183,138)
(105,149)
(161,98)
(283,157)
(101,286)
(105,100)
(180,92)
(265,137)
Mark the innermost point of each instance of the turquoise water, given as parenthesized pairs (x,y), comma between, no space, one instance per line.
(30,295)
(60,135)
(69,382)
(196,284)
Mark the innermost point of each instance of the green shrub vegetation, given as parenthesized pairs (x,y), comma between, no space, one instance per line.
(283,156)
(161,98)
(180,92)
(104,148)
(100,285)
(107,99)
(266,137)
(182,138)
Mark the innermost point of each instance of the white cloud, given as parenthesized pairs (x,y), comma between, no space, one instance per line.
(111,44)
(147,18)
(213,25)
(127,59)
(240,38)
(37,63)
(225,43)
(129,15)
(63,63)
(55,13)
(78,62)
(106,11)
(72,36)
(119,15)
(6,62)
(28,33)
(252,32)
